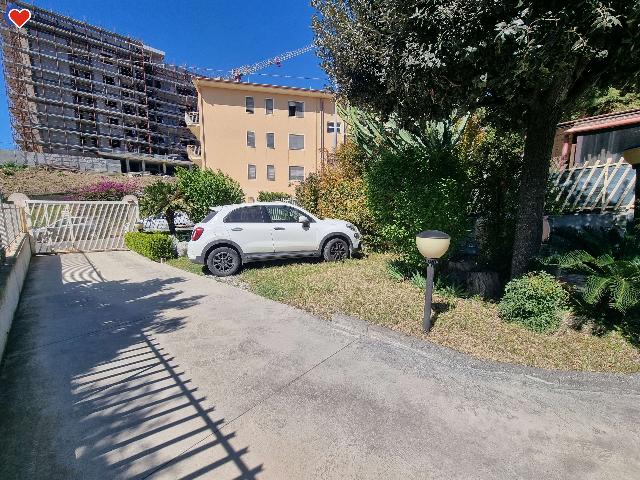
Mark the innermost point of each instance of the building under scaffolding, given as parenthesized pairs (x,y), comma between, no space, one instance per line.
(76,89)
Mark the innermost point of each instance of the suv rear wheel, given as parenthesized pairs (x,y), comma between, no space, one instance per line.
(335,250)
(223,261)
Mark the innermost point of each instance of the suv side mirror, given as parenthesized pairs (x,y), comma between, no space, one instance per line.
(303,220)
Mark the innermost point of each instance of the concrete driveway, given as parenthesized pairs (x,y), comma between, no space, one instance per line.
(118,367)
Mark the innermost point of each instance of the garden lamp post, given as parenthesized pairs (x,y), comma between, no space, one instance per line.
(432,244)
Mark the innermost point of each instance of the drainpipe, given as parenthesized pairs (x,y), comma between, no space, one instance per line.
(322,152)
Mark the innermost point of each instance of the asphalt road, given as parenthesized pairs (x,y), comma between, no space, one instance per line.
(118,367)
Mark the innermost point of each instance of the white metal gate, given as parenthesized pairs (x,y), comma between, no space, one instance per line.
(66,226)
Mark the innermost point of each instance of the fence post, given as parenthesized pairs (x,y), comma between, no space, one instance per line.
(20,200)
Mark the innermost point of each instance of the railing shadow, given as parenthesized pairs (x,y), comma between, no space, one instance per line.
(125,407)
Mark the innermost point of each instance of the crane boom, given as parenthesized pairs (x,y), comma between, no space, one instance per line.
(237,73)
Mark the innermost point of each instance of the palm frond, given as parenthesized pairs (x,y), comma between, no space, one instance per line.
(624,294)
(595,288)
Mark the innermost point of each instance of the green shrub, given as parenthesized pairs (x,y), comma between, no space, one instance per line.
(272,196)
(495,164)
(416,189)
(203,189)
(152,245)
(10,168)
(308,193)
(535,300)
(339,191)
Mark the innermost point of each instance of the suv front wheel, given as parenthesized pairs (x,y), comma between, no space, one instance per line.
(335,250)
(223,261)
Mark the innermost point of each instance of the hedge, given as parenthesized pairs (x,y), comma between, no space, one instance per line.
(152,245)
(272,196)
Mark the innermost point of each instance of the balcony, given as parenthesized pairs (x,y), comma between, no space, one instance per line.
(192,119)
(194,154)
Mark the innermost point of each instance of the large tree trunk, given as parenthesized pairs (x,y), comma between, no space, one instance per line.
(540,132)
(170,217)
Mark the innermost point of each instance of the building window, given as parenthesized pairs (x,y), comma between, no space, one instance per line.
(114,143)
(296,109)
(113,121)
(268,106)
(271,173)
(248,104)
(110,103)
(296,174)
(334,127)
(296,142)
(251,172)
(251,139)
(109,80)
(271,140)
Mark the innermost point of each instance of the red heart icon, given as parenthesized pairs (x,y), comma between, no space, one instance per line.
(19,17)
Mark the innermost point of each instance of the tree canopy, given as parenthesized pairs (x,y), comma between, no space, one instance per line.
(524,62)
(427,57)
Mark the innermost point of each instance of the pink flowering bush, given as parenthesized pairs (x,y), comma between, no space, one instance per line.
(108,190)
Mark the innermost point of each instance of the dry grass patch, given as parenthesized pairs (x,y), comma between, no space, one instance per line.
(364,289)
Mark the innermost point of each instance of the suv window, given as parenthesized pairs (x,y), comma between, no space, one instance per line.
(209,216)
(246,215)
(284,214)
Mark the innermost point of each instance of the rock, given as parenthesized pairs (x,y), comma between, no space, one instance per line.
(457,272)
(181,248)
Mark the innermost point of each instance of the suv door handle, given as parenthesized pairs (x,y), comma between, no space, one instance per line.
(279,228)
(237,229)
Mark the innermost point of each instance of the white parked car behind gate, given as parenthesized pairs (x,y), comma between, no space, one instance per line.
(233,235)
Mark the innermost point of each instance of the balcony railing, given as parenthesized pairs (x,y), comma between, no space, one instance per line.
(194,154)
(194,151)
(192,118)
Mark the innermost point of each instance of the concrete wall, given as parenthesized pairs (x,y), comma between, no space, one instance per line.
(12,277)
(83,164)
(593,220)
(224,123)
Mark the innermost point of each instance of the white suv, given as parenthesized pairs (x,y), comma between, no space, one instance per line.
(233,235)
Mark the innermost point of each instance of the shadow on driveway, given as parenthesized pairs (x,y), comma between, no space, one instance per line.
(88,392)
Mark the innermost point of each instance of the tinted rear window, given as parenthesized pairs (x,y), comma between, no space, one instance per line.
(211,214)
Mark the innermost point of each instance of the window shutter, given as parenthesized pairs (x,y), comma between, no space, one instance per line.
(296,174)
(296,142)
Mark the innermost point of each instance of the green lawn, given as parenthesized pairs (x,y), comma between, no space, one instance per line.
(363,288)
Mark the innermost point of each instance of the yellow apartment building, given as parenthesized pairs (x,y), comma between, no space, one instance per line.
(267,137)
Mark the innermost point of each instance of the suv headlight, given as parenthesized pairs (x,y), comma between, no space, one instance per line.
(352,227)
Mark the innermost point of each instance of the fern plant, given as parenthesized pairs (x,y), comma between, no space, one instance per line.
(615,281)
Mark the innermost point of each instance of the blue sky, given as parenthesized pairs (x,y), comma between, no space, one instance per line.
(219,34)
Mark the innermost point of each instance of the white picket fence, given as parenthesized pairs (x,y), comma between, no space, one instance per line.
(600,186)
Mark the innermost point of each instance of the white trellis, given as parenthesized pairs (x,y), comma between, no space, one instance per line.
(594,187)
(69,226)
